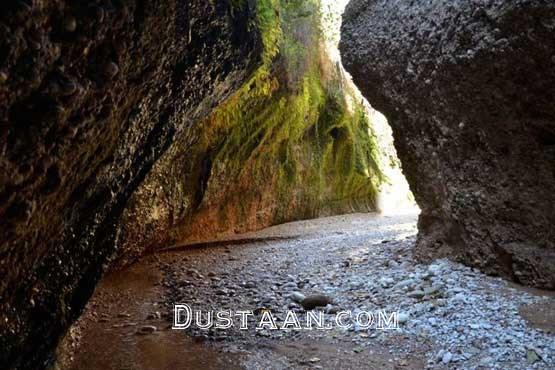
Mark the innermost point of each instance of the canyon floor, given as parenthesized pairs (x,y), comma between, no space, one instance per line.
(451,316)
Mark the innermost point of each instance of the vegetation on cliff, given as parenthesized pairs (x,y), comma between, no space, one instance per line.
(289,134)
(288,145)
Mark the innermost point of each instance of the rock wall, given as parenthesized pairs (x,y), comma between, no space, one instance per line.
(92,94)
(469,89)
(126,126)
(286,146)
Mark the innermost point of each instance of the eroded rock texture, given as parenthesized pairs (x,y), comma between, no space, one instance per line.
(91,94)
(469,88)
(285,147)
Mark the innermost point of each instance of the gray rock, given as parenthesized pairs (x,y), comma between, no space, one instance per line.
(297,297)
(290,285)
(431,290)
(221,292)
(447,357)
(402,317)
(292,305)
(331,309)
(268,298)
(386,282)
(250,285)
(405,283)
(418,294)
(463,104)
(434,269)
(532,356)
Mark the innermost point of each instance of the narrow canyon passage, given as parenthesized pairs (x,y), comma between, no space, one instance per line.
(277,184)
(449,314)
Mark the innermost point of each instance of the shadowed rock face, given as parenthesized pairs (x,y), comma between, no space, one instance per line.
(469,88)
(92,94)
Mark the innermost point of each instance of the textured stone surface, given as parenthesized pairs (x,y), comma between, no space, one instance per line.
(91,95)
(287,150)
(469,88)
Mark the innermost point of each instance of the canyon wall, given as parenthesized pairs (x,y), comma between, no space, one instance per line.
(127,126)
(469,89)
(288,145)
(92,95)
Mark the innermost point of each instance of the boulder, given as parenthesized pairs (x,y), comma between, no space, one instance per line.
(469,89)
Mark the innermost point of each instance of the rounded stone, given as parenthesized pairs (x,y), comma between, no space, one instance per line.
(315,300)
(70,24)
(111,69)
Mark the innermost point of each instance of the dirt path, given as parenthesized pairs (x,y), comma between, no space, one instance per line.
(450,316)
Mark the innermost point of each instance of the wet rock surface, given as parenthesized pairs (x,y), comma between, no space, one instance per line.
(463,318)
(468,87)
(92,94)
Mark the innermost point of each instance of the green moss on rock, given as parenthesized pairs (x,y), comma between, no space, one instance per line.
(291,126)
(288,145)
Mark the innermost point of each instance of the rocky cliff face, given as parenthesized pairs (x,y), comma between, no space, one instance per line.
(286,146)
(469,88)
(92,94)
(126,126)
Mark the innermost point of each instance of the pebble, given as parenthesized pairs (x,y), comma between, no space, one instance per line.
(447,357)
(402,317)
(268,298)
(147,329)
(315,300)
(405,283)
(250,285)
(70,24)
(386,282)
(431,290)
(290,285)
(434,269)
(111,69)
(416,294)
(297,297)
(532,356)
(445,304)
(332,310)
(221,292)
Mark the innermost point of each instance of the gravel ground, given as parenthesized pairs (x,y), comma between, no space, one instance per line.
(450,316)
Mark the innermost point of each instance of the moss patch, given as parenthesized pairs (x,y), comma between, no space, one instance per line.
(286,146)
(287,140)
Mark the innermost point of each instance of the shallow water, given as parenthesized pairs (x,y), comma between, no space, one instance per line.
(108,332)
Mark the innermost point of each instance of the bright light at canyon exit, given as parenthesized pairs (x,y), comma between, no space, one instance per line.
(394,195)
